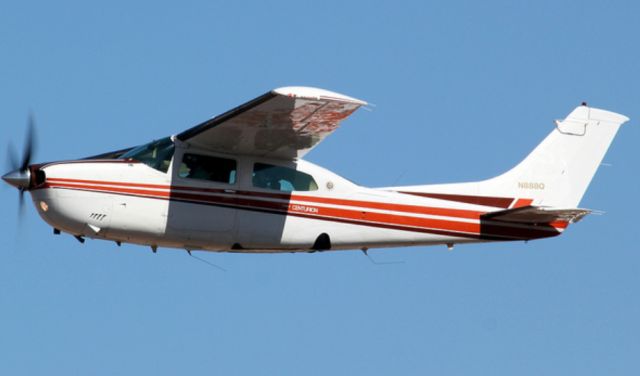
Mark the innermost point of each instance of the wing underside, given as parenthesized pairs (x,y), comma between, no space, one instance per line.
(283,123)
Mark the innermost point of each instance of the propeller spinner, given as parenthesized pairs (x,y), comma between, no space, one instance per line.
(20,175)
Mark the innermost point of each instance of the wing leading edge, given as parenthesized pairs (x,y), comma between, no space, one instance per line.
(283,123)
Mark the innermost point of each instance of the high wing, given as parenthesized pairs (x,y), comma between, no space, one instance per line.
(537,214)
(283,123)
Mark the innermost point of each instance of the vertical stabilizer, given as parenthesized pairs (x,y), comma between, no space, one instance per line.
(558,171)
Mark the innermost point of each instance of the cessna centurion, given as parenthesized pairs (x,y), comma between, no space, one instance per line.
(237,183)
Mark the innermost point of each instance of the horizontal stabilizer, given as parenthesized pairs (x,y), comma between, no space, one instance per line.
(537,214)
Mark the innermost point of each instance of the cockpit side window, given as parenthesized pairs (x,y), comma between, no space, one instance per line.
(280,178)
(156,154)
(204,167)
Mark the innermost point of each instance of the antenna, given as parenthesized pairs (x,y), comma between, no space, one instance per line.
(205,261)
(366,250)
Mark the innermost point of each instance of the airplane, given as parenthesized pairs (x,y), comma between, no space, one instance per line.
(238,183)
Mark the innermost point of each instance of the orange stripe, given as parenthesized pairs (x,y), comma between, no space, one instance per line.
(559,224)
(522,202)
(360,217)
(285,208)
(415,209)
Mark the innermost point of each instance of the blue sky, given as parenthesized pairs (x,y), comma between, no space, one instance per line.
(463,90)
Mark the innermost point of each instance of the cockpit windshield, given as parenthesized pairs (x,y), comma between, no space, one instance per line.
(156,154)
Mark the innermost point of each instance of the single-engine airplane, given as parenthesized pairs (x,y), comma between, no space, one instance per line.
(237,183)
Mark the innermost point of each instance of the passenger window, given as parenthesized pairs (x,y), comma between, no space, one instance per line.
(205,167)
(281,178)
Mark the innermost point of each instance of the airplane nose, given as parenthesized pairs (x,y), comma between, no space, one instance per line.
(18,178)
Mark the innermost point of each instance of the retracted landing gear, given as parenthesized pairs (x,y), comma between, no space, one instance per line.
(322,243)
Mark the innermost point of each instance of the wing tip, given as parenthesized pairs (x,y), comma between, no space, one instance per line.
(315,93)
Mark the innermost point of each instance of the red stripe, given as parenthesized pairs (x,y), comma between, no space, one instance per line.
(522,202)
(285,208)
(353,216)
(559,224)
(414,209)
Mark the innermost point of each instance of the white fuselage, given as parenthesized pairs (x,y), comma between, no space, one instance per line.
(129,201)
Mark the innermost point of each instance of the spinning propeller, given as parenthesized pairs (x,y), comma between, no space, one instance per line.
(20,175)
